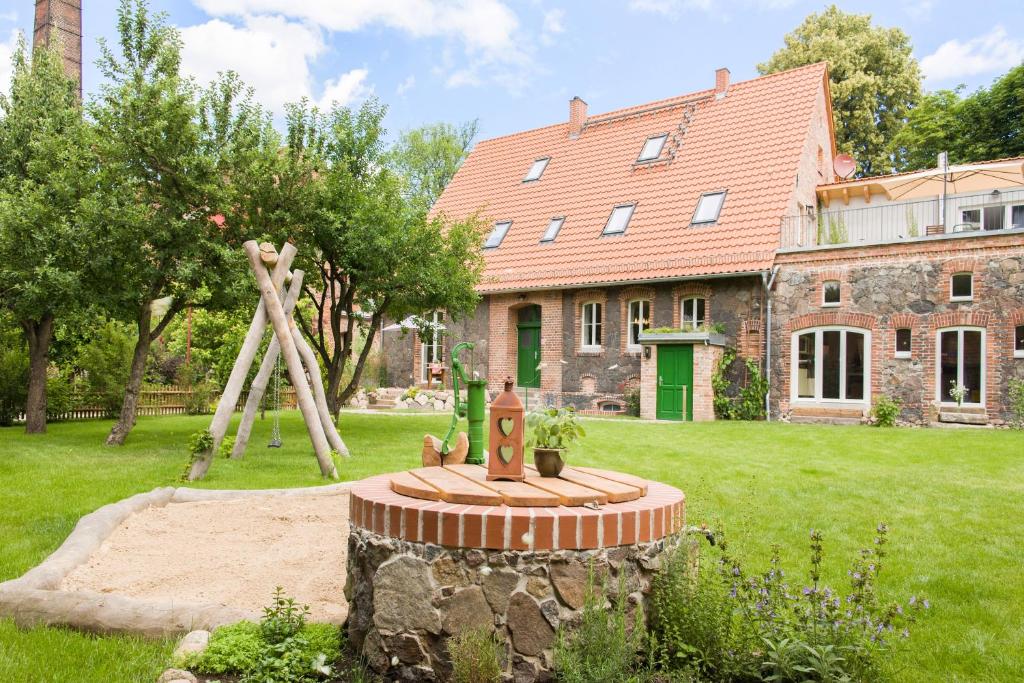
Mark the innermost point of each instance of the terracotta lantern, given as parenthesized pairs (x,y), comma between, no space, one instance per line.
(506,438)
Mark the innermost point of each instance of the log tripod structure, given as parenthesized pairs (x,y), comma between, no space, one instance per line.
(275,309)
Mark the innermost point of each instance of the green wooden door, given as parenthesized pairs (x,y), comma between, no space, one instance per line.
(675,380)
(528,358)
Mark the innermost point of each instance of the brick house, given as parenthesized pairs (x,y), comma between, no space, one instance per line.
(628,249)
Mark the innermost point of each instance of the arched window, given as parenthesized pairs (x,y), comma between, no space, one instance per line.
(639,320)
(961,365)
(693,313)
(831,364)
(590,337)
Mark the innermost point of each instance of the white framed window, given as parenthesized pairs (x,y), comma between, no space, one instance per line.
(431,344)
(1017,216)
(652,148)
(497,234)
(709,206)
(693,312)
(553,229)
(961,287)
(960,352)
(830,293)
(536,169)
(618,221)
(590,333)
(638,320)
(1018,341)
(903,342)
(831,365)
(992,217)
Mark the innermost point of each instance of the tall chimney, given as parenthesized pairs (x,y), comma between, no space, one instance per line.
(63,18)
(721,82)
(577,116)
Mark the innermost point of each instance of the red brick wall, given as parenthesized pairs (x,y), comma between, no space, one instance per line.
(65,18)
(503,341)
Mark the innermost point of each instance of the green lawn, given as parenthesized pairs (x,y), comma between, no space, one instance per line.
(953,500)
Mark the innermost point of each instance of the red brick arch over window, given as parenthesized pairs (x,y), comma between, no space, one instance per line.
(861,320)
(961,319)
(637,293)
(689,290)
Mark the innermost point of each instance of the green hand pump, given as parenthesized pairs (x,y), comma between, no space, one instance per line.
(472,409)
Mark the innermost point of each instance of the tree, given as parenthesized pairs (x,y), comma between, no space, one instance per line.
(169,150)
(873,77)
(369,250)
(987,124)
(45,173)
(428,157)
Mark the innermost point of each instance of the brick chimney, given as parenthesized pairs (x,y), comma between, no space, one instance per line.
(721,82)
(63,17)
(577,116)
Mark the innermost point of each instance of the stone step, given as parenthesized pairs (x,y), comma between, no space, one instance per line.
(851,413)
(823,420)
(960,416)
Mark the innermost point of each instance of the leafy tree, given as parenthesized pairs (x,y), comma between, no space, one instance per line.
(428,157)
(13,369)
(369,250)
(987,124)
(45,173)
(169,152)
(873,77)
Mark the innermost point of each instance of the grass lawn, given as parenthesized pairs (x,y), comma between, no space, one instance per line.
(953,500)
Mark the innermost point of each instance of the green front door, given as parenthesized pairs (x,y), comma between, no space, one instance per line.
(528,358)
(675,382)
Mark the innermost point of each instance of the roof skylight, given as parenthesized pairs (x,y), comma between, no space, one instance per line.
(619,219)
(708,207)
(652,148)
(553,227)
(497,234)
(537,169)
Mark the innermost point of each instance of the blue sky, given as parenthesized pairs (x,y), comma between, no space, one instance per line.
(514,65)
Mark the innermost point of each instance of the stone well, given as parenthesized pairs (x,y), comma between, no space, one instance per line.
(420,572)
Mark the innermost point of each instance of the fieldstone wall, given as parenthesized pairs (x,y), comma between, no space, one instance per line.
(406,599)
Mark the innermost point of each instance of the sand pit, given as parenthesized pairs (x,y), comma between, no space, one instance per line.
(227,552)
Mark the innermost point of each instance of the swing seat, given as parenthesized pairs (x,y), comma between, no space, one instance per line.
(274,443)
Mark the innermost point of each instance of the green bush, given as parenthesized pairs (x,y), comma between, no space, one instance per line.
(632,399)
(886,411)
(232,649)
(13,372)
(742,402)
(60,394)
(476,657)
(104,363)
(1017,403)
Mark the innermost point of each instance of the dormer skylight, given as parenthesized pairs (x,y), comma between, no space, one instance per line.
(497,234)
(618,221)
(553,227)
(708,207)
(537,169)
(652,148)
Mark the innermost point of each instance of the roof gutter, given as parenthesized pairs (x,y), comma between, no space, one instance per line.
(627,283)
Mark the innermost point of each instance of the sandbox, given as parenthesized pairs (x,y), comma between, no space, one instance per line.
(173,560)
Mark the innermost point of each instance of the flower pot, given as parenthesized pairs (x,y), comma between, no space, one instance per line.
(548,461)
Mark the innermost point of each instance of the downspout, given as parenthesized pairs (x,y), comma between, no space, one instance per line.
(768,283)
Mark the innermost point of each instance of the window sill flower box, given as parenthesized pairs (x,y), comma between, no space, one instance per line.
(683,337)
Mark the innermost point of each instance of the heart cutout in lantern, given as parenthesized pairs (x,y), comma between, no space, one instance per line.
(505,453)
(506,425)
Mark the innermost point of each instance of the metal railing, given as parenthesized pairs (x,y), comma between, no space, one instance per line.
(897,221)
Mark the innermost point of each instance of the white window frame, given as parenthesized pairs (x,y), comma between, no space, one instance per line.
(895,341)
(641,159)
(970,297)
(794,369)
(529,177)
(939,393)
(591,328)
(1017,353)
(700,201)
(545,238)
(831,304)
(436,320)
(980,208)
(682,311)
(633,344)
(625,225)
(495,233)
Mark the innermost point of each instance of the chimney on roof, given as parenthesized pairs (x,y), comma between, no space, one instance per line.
(63,19)
(577,116)
(721,82)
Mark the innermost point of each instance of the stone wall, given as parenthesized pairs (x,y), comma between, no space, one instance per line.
(406,599)
(906,285)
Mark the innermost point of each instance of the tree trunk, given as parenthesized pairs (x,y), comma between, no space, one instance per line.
(39,334)
(125,422)
(357,371)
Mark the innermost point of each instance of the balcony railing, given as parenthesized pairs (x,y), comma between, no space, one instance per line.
(897,221)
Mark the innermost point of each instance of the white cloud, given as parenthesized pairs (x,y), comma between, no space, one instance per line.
(406,85)
(552,25)
(346,89)
(11,16)
(672,8)
(920,9)
(992,52)
(271,54)
(7,49)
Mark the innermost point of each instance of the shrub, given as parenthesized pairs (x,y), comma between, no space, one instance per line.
(60,394)
(13,372)
(1017,402)
(105,361)
(886,411)
(603,647)
(725,624)
(476,657)
(746,401)
(632,399)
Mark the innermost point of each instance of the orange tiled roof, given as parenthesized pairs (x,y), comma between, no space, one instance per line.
(748,143)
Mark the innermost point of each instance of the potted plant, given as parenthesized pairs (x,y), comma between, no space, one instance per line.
(551,432)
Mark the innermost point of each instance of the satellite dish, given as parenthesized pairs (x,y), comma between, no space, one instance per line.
(844,166)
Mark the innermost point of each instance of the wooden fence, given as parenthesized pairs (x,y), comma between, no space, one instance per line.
(167,400)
